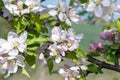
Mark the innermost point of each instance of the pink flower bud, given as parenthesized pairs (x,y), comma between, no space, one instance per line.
(99,45)
(102,36)
(92,48)
(108,34)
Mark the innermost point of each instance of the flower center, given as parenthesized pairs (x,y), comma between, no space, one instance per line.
(55,53)
(69,44)
(31,6)
(15,44)
(20,7)
(12,62)
(98,2)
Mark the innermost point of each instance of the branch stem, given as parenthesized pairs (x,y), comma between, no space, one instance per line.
(103,64)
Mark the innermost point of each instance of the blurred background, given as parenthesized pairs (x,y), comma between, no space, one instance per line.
(90,31)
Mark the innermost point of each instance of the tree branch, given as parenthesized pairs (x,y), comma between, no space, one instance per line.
(103,64)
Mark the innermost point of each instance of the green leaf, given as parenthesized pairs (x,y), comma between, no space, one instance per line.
(82,79)
(84,1)
(65,26)
(19,24)
(94,54)
(72,56)
(53,22)
(31,60)
(36,22)
(1,5)
(25,72)
(111,57)
(38,26)
(81,53)
(118,24)
(32,49)
(44,16)
(50,64)
(93,68)
(114,46)
(35,38)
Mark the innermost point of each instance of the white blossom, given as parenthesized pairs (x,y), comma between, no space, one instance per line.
(65,13)
(14,43)
(103,8)
(12,63)
(41,57)
(17,8)
(70,73)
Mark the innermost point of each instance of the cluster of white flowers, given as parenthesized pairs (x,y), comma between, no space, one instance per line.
(20,7)
(104,9)
(72,72)
(10,50)
(65,13)
(63,41)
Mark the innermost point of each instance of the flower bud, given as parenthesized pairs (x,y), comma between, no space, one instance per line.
(99,45)
(92,48)
(102,36)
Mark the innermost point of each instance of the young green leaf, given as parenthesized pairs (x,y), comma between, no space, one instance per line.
(44,16)
(25,72)
(93,68)
(50,64)
(80,53)
(72,56)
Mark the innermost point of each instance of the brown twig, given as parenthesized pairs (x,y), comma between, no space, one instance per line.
(103,64)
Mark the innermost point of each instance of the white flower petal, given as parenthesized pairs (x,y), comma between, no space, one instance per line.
(68,22)
(61,71)
(91,6)
(23,37)
(74,68)
(98,11)
(79,36)
(61,16)
(20,61)
(41,56)
(55,37)
(24,11)
(75,19)
(83,67)
(7,46)
(13,69)
(5,65)
(53,12)
(51,6)
(63,5)
(13,52)
(12,36)
(58,59)
(22,47)
(106,3)
(2,41)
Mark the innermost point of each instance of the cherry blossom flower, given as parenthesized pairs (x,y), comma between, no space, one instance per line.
(72,72)
(41,57)
(21,7)
(14,43)
(93,47)
(103,8)
(65,13)
(67,39)
(109,35)
(12,63)
(56,50)
(34,5)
